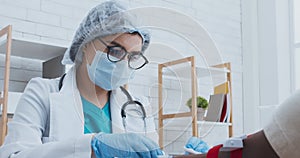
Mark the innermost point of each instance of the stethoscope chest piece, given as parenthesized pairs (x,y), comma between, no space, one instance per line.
(132,108)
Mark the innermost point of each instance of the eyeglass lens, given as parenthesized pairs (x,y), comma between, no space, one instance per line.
(136,60)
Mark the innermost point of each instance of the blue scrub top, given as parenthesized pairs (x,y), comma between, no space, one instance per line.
(96,119)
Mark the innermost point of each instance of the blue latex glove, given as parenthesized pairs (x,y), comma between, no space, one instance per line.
(197,144)
(124,145)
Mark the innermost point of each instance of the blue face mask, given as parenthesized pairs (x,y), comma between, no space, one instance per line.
(109,75)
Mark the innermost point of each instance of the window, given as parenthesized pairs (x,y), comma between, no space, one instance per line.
(296,42)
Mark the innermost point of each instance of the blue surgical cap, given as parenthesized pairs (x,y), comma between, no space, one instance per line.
(105,19)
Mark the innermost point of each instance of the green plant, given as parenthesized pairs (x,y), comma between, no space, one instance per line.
(201,102)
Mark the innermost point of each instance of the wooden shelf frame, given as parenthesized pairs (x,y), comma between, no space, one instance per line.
(229,80)
(193,112)
(3,100)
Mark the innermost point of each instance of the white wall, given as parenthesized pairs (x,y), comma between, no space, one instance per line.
(266,51)
(55,21)
(21,71)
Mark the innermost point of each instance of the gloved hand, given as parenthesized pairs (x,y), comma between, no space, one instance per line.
(197,144)
(124,145)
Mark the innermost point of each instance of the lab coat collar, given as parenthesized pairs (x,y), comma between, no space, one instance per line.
(66,116)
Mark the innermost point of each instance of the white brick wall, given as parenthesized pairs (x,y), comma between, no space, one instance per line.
(21,71)
(43,18)
(10,11)
(28,4)
(51,31)
(55,8)
(55,22)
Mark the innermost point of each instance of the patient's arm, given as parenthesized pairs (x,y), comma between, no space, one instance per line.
(256,146)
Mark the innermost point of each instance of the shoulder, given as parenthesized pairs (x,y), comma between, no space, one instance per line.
(283,129)
(38,90)
(42,85)
(34,102)
(36,95)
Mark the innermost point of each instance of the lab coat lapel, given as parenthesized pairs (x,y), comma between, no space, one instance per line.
(117,99)
(66,114)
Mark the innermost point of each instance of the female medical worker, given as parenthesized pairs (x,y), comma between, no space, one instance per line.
(74,116)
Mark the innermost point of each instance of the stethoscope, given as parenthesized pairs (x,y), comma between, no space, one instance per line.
(136,103)
(138,107)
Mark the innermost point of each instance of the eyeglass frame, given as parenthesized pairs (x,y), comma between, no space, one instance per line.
(127,53)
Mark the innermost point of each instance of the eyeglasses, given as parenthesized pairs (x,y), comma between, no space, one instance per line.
(116,53)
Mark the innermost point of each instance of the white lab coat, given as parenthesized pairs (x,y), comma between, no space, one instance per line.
(49,123)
